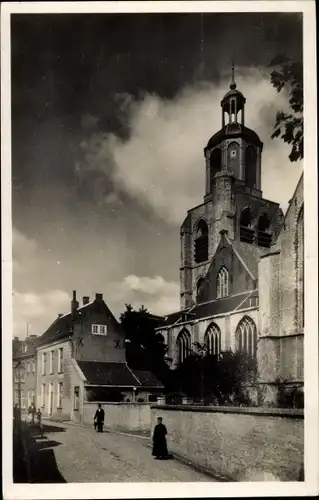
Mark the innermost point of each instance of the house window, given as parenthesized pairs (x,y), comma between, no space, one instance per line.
(222,283)
(99,329)
(16,397)
(246,336)
(60,394)
(42,395)
(33,366)
(22,399)
(25,348)
(60,360)
(33,396)
(22,372)
(183,345)
(51,361)
(28,367)
(212,340)
(44,363)
(76,398)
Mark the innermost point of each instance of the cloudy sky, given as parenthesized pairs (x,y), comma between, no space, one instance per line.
(110,115)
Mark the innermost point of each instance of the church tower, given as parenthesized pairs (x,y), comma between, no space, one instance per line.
(233,204)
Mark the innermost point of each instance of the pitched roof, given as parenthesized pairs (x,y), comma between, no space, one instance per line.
(116,374)
(111,374)
(147,379)
(221,306)
(172,318)
(62,326)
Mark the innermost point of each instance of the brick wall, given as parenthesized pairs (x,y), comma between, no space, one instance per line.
(121,416)
(234,443)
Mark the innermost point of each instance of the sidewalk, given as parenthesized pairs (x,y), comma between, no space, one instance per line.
(41,463)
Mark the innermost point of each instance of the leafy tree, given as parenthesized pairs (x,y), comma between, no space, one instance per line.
(145,348)
(289,126)
(220,379)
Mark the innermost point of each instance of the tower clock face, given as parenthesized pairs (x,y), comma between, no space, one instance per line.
(233,153)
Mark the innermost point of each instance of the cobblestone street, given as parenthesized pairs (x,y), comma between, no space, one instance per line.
(82,455)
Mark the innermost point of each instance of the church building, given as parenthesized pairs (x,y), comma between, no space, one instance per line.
(234,250)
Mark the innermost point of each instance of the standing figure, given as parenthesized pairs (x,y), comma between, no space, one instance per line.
(99,418)
(39,421)
(159,440)
(33,411)
(29,417)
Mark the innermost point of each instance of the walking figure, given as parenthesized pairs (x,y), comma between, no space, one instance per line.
(159,440)
(39,421)
(99,418)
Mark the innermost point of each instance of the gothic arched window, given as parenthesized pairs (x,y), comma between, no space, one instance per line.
(201,242)
(246,233)
(199,284)
(246,336)
(300,268)
(222,283)
(250,167)
(183,345)
(263,234)
(212,339)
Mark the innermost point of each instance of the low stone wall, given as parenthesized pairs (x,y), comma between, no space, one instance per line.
(236,444)
(133,417)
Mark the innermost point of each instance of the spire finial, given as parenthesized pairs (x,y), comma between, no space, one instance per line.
(233,83)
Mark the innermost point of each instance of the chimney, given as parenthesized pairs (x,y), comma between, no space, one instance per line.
(60,315)
(85,300)
(98,297)
(74,305)
(16,338)
(32,336)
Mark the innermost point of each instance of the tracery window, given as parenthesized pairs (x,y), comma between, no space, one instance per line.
(201,242)
(246,233)
(263,234)
(212,339)
(222,283)
(183,345)
(246,336)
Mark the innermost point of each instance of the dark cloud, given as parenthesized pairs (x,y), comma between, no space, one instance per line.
(110,115)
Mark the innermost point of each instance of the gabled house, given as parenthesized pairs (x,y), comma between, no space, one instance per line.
(24,359)
(81,357)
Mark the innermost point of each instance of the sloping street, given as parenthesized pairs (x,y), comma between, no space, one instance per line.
(70,453)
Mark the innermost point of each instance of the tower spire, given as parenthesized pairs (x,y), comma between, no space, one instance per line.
(233,85)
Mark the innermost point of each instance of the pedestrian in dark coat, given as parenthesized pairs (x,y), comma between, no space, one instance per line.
(99,418)
(159,440)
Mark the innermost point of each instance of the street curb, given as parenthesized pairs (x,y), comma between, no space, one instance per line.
(198,468)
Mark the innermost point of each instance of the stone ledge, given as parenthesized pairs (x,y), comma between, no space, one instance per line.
(262,412)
